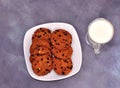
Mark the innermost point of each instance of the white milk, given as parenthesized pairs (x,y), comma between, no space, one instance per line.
(100,30)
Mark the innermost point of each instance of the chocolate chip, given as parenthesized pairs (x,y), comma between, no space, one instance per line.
(32,55)
(65,34)
(70,67)
(44,34)
(62,54)
(41,59)
(39,36)
(57,44)
(47,58)
(61,67)
(38,54)
(55,68)
(49,31)
(59,35)
(48,70)
(66,44)
(66,61)
(38,71)
(47,61)
(57,30)
(63,73)
(32,37)
(58,58)
(42,29)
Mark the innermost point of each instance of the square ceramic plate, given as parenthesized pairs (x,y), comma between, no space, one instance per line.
(76,56)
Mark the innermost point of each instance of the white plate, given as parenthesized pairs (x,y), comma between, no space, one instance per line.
(76,56)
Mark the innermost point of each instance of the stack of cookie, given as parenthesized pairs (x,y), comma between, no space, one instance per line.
(40,52)
(62,51)
(51,51)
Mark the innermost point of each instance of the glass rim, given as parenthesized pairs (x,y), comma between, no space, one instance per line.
(106,21)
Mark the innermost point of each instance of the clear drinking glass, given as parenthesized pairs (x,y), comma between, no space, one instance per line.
(100,32)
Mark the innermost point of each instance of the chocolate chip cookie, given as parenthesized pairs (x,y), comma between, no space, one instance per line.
(42,65)
(62,67)
(41,33)
(61,39)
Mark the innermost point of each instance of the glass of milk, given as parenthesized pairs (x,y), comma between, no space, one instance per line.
(100,32)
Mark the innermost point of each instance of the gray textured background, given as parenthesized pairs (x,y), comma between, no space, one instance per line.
(17,16)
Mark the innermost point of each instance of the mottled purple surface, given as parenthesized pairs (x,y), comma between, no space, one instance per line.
(17,16)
